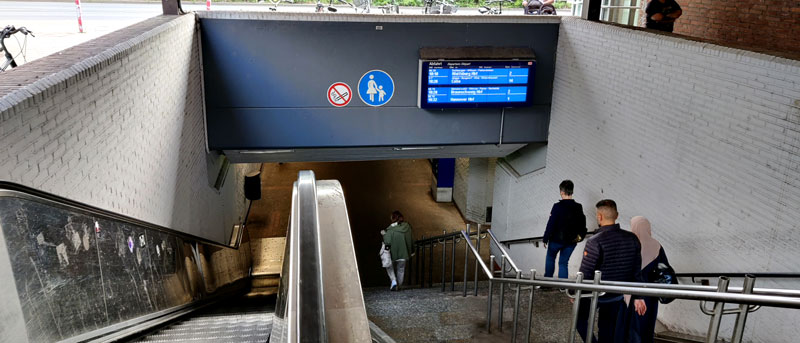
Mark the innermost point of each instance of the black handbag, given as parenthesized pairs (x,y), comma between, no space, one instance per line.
(663,273)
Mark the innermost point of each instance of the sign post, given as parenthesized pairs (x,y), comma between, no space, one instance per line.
(80,14)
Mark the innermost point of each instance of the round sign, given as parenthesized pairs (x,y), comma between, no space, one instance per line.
(376,88)
(339,94)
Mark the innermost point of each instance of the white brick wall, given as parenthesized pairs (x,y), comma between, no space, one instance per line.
(460,184)
(125,132)
(701,139)
(473,187)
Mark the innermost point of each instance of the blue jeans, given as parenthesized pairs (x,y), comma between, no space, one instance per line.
(565,251)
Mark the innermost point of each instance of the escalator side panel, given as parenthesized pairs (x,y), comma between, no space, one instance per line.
(345,313)
(80,274)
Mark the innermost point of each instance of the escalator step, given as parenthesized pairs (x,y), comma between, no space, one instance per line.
(250,327)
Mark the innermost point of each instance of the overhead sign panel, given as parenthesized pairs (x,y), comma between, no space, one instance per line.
(465,84)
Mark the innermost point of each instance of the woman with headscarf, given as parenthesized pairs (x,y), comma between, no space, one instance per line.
(642,327)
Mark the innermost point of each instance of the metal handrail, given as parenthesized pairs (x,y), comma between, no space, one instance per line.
(508,242)
(69,203)
(442,237)
(701,288)
(300,311)
(739,275)
(476,254)
(748,298)
(751,299)
(503,251)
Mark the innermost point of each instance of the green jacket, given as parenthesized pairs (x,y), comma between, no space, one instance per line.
(400,241)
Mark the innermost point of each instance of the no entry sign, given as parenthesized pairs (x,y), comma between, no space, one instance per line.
(339,94)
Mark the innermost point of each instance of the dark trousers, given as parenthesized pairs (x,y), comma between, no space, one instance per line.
(642,328)
(611,327)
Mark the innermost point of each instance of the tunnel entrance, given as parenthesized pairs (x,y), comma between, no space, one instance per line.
(373,190)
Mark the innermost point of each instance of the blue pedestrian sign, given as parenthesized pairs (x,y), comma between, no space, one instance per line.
(376,88)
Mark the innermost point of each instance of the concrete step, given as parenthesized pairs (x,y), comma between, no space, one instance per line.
(674,337)
(271,280)
(264,284)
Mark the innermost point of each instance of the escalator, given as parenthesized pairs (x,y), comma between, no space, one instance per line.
(329,306)
(84,274)
(244,319)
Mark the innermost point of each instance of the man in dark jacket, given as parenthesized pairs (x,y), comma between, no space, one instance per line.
(616,253)
(661,14)
(565,228)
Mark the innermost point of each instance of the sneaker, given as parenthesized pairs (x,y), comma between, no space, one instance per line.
(393,287)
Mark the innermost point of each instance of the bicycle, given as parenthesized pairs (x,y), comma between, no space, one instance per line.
(275,3)
(7,32)
(440,7)
(536,7)
(356,5)
(488,9)
(390,8)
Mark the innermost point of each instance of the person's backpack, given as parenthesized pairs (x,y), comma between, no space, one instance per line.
(663,273)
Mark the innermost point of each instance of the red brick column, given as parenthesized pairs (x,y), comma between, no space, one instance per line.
(765,24)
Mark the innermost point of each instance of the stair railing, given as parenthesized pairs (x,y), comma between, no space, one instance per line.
(747,297)
(422,273)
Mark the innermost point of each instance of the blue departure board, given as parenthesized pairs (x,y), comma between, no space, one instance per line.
(465,84)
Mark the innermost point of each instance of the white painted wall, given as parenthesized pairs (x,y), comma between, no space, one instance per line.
(461,184)
(473,187)
(124,131)
(701,139)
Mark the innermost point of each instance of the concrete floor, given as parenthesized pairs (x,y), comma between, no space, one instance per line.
(373,189)
(428,315)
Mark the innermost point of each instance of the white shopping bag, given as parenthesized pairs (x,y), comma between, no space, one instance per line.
(386,256)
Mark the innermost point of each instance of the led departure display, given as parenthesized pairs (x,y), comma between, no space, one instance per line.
(465,84)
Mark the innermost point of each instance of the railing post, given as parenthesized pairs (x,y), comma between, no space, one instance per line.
(453,266)
(444,256)
(430,264)
(478,246)
(741,317)
(415,265)
(530,307)
(516,310)
(575,309)
(489,298)
(421,271)
(502,294)
(593,307)
(716,318)
(466,260)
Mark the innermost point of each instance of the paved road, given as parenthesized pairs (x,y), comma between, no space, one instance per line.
(55,24)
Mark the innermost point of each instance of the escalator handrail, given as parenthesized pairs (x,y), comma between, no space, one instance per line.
(311,309)
(300,310)
(17,190)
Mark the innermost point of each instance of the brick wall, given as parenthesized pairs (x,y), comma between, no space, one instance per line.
(461,184)
(473,187)
(118,123)
(766,24)
(701,139)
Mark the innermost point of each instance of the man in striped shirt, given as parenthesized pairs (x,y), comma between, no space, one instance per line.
(616,253)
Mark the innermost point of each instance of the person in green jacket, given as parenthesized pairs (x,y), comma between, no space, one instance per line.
(398,239)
